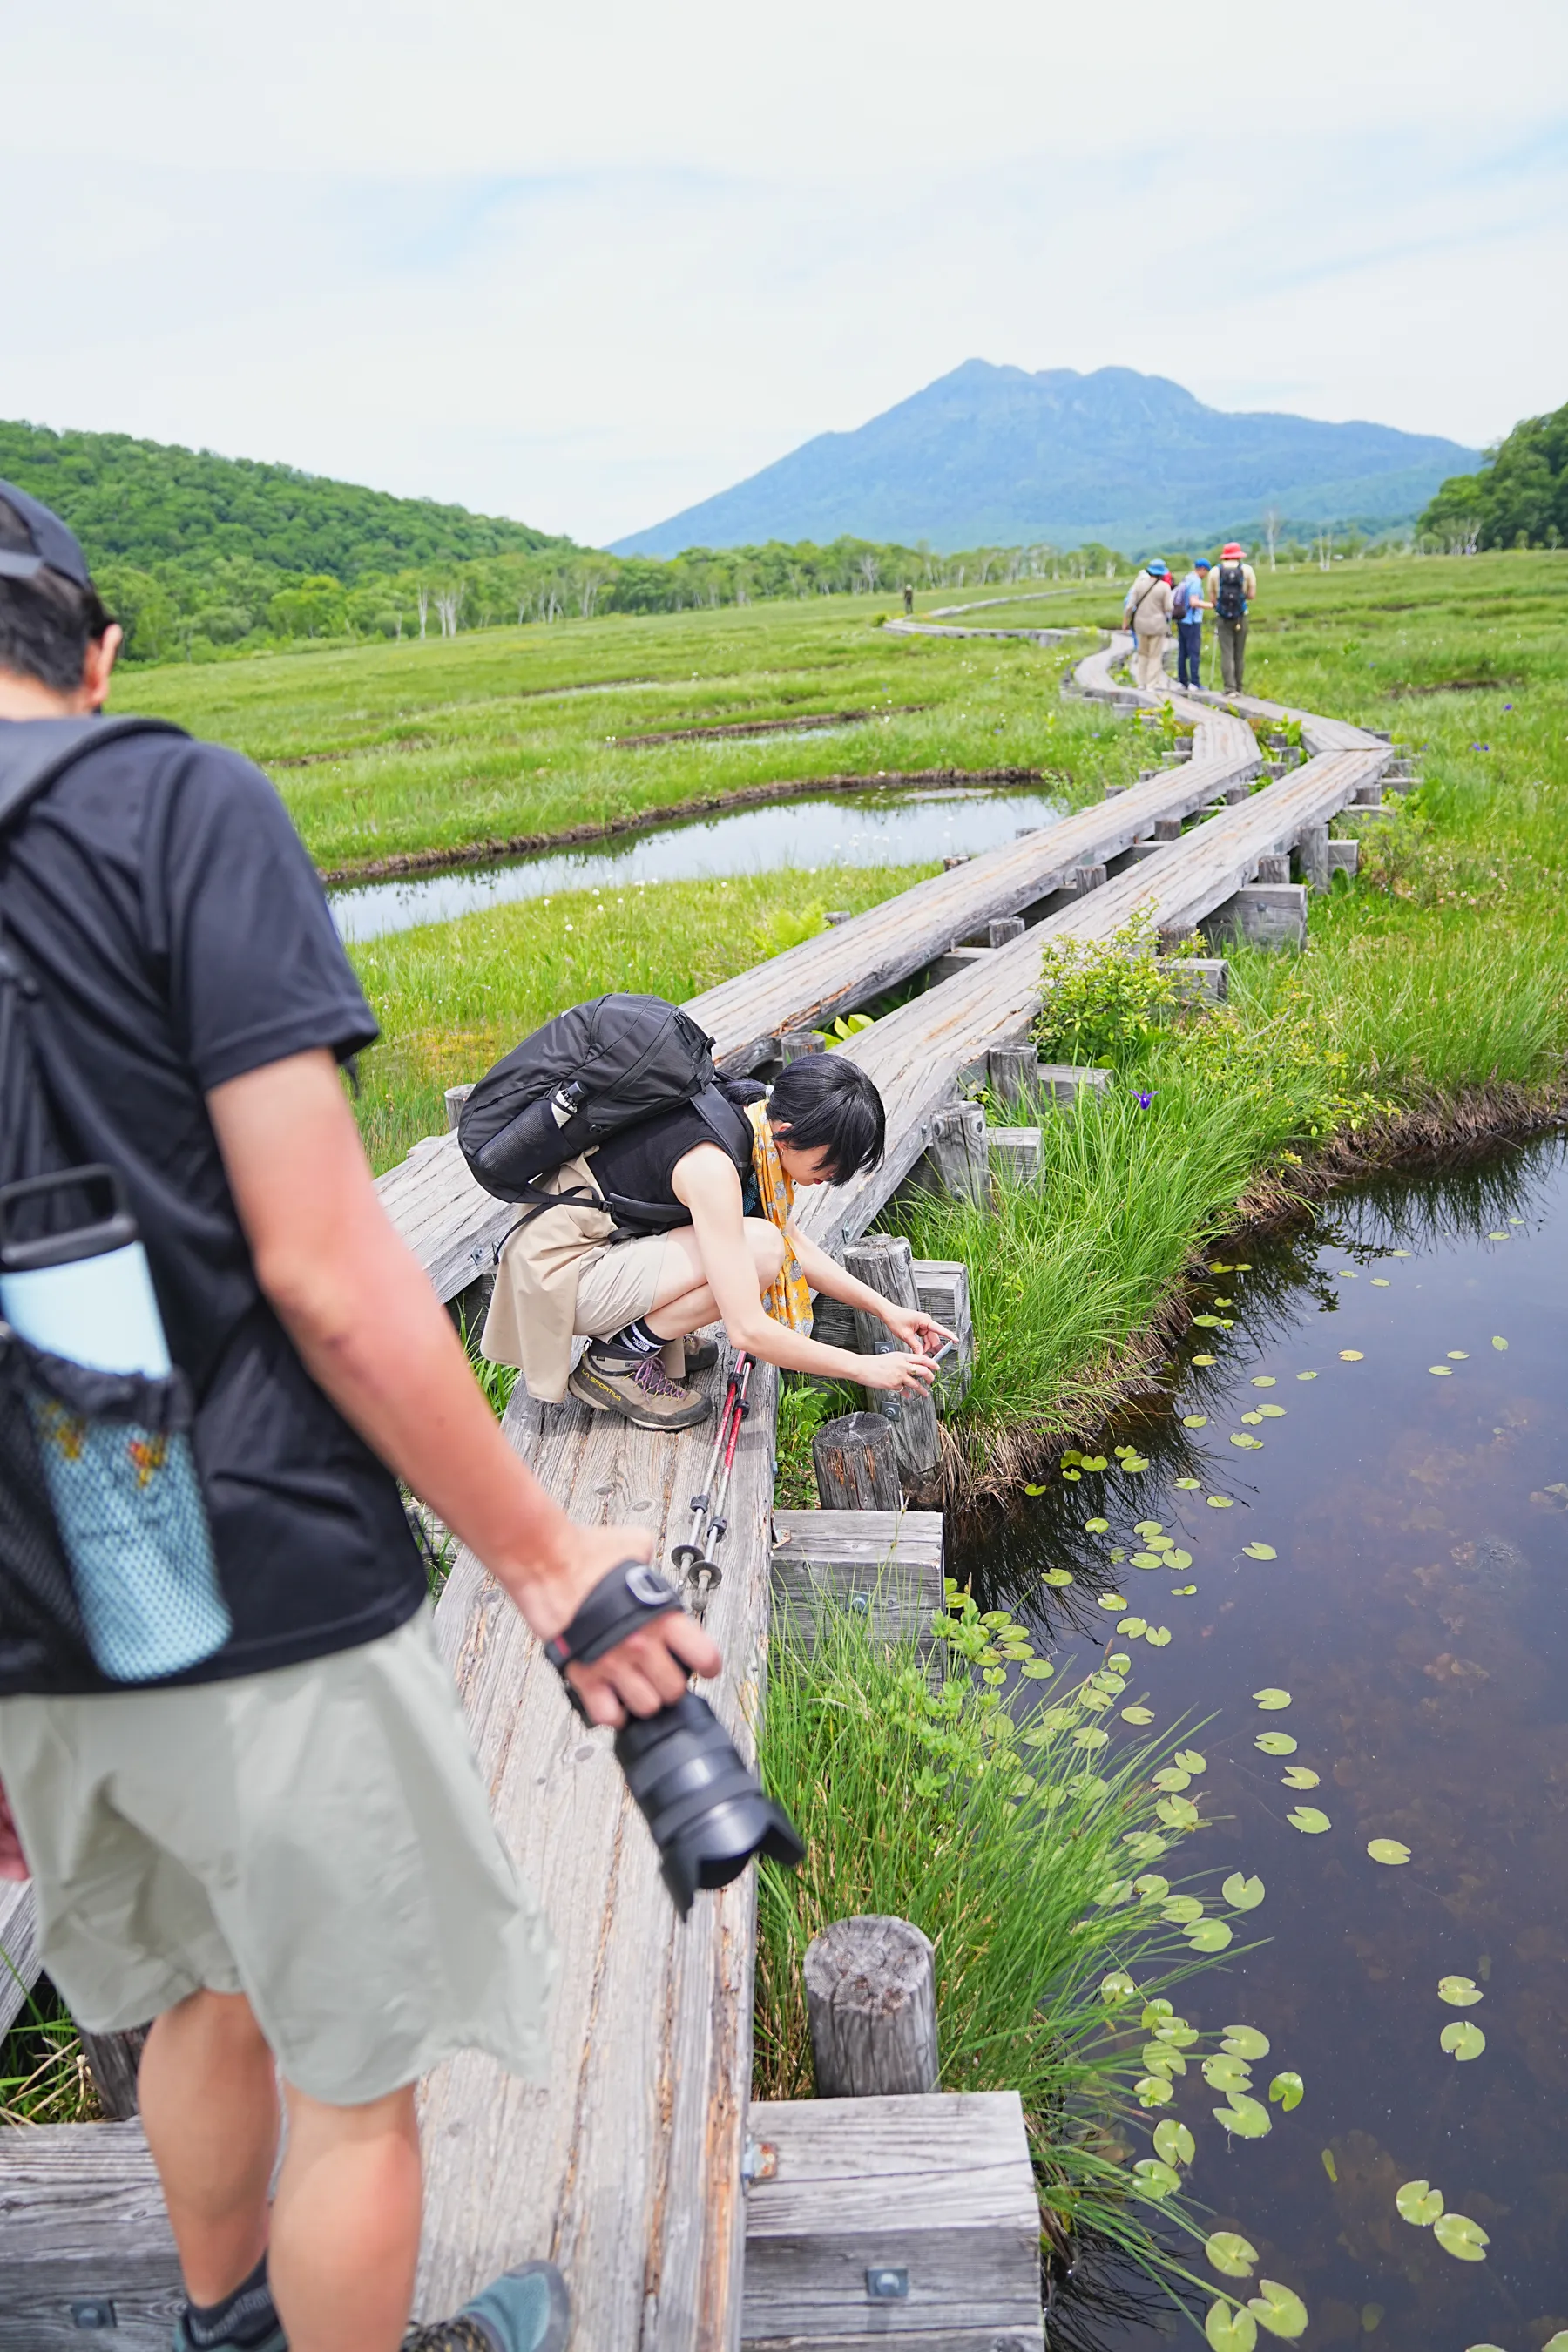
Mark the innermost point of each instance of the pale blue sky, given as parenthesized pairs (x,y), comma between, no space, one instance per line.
(587,267)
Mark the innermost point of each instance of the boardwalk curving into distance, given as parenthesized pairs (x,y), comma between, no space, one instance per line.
(626,2167)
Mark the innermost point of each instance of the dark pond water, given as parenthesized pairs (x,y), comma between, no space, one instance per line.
(1414,1487)
(869,829)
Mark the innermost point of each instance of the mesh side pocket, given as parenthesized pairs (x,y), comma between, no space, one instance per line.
(122,1482)
(43,1641)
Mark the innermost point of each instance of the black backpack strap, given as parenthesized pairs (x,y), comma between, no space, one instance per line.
(35,751)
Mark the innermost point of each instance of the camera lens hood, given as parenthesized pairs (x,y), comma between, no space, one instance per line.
(705,1811)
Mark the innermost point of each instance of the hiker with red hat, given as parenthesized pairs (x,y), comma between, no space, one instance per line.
(1235,586)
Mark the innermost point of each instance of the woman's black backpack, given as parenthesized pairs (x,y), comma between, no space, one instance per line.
(586,1075)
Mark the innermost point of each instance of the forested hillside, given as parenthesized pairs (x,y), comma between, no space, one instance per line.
(1519,499)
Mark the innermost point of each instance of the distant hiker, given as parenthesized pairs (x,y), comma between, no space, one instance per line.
(657,1227)
(1147,611)
(1188,606)
(908,600)
(1235,586)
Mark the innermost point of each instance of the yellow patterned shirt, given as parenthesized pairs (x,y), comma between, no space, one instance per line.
(788,1300)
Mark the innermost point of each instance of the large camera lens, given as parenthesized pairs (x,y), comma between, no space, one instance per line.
(705,1811)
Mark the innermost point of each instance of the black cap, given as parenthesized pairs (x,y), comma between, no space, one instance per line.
(53,546)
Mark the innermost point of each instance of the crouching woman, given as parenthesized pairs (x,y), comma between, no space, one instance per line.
(580,1270)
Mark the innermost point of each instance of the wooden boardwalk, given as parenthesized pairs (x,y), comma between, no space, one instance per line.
(626,2168)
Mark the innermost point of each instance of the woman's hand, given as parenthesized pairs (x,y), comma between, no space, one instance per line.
(920,1333)
(914,1372)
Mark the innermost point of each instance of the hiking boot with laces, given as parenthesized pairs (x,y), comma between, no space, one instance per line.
(525,2310)
(638,1388)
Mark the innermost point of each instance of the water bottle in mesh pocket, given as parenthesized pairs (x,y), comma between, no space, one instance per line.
(104,1541)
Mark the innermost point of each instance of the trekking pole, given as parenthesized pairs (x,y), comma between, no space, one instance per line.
(701,1570)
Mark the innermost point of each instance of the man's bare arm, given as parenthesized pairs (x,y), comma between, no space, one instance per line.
(373,1335)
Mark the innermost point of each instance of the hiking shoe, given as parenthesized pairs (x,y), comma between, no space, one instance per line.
(525,2310)
(638,1388)
(701,1355)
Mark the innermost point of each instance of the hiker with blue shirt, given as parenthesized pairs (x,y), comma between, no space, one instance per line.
(1188,607)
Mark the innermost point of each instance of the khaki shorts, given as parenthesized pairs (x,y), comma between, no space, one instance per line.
(316,1838)
(617,1283)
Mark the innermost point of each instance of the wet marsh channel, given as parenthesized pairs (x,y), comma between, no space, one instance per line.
(1355,1502)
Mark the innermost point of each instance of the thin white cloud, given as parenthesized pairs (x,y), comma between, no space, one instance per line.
(588,267)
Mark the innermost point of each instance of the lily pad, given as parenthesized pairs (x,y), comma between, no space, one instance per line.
(1502,1346)
(1153,2091)
(1159,2059)
(1194,1420)
(1148,1527)
(1228,2330)
(1459,2236)
(1271,1700)
(1380,1282)
(1277,2308)
(1038,1670)
(1441,1371)
(1230,2255)
(1265,1380)
(1190,1760)
(1389,1851)
(1259,1551)
(1245,2042)
(1117,1986)
(1157,1637)
(1188,1486)
(1462,2040)
(1131,1627)
(1254,1418)
(1090,1736)
(1173,2143)
(1112,1600)
(1138,1715)
(1221,1502)
(1205,1360)
(1272,1411)
(1306,1376)
(1178,1814)
(1276,1743)
(1134,1462)
(1459,1355)
(1208,1936)
(1097,1527)
(1289,2089)
(1154,2179)
(1244,2117)
(1350,1356)
(1460,1992)
(1094,1462)
(1249,1445)
(1057,1576)
(1298,1776)
(1206,1322)
(1243,1894)
(1419,2202)
(1173,1780)
(1309,1821)
(1227,2074)
(1145,1560)
(1152,1887)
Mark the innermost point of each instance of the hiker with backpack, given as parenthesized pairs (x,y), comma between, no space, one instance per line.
(656,1199)
(230,1759)
(1235,586)
(1146,611)
(1188,606)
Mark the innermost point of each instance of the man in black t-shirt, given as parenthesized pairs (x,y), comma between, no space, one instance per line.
(284,1855)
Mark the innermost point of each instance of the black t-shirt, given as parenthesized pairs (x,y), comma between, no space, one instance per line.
(179,937)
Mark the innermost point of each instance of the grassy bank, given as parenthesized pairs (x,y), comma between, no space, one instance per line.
(451,997)
(1034,1845)
(405,749)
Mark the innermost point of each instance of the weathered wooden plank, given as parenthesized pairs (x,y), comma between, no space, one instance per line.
(625,2169)
(18,1948)
(938,2188)
(82,2222)
(891,1560)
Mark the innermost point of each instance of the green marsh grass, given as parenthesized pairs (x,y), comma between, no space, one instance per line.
(1014,1841)
(44,2078)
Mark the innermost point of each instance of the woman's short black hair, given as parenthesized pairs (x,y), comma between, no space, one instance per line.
(48,623)
(825,1101)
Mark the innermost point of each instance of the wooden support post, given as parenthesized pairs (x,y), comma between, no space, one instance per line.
(1167,828)
(870,1996)
(1013,1153)
(456,1097)
(857,1466)
(889,1563)
(1268,914)
(956,962)
(912,2221)
(1344,857)
(1011,1072)
(1275,867)
(942,1286)
(1369,795)
(955,1158)
(1197,979)
(795,1043)
(883,1262)
(1084,878)
(839,915)
(833,1323)
(1312,857)
(949,863)
(113,2061)
(1064,1082)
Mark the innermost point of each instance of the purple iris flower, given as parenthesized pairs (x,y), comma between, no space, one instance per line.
(1143,1099)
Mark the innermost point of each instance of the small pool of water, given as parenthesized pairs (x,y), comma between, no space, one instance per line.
(1413,1489)
(870,828)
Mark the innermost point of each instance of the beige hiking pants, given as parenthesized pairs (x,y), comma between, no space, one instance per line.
(1149,666)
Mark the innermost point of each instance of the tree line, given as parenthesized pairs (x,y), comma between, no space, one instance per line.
(1518,498)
